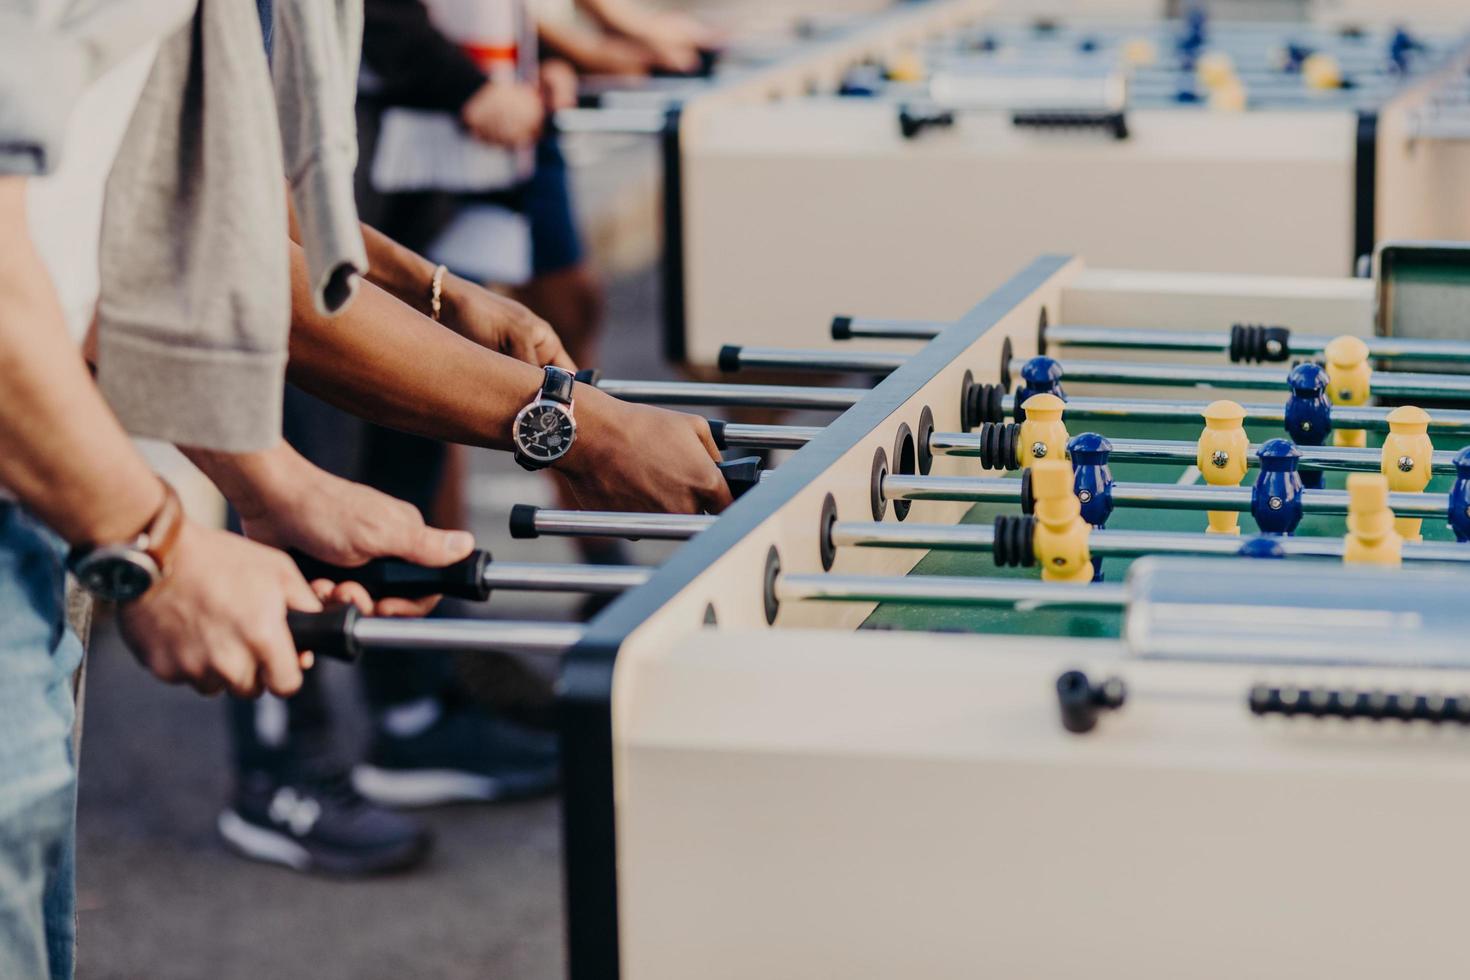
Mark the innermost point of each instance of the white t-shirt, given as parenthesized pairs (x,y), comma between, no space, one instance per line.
(65,206)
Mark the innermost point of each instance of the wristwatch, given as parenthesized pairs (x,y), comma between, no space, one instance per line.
(125,571)
(544,430)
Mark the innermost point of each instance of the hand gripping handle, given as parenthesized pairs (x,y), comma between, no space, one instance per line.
(386,578)
(326,634)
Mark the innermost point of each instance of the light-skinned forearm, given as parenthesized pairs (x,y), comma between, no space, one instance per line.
(62,452)
(384,362)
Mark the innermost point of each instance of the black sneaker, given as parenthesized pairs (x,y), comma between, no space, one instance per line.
(319,823)
(468,755)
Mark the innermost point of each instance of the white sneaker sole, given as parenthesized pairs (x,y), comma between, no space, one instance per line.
(261,844)
(424,787)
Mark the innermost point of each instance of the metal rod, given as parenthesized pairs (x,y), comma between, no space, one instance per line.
(466,636)
(940,590)
(1340,459)
(591,579)
(1123,338)
(616,524)
(1391,384)
(740,435)
(845,327)
(613,121)
(763,396)
(733,357)
(1441,421)
(1162,496)
(1114,544)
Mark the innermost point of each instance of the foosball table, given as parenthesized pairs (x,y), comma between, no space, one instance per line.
(911,165)
(1027,663)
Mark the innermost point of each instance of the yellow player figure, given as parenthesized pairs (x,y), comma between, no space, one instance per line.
(1321,71)
(1229,96)
(1043,434)
(1060,543)
(1223,457)
(1214,68)
(1349,382)
(1407,455)
(1371,538)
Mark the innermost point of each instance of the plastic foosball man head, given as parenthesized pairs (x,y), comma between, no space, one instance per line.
(1407,457)
(1043,435)
(1371,536)
(1223,457)
(1321,72)
(1349,382)
(1214,68)
(1060,542)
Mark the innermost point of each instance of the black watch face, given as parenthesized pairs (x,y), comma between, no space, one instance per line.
(544,432)
(116,578)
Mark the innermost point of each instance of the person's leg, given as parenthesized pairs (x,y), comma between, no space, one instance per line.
(294,803)
(428,745)
(38,657)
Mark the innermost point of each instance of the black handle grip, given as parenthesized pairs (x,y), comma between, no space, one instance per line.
(326,634)
(741,474)
(386,578)
(1113,123)
(523,522)
(913,121)
(717,431)
(842,328)
(588,377)
(729,359)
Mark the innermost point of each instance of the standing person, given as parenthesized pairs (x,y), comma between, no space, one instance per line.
(192,347)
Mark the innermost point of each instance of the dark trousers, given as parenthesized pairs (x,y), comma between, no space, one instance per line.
(407,467)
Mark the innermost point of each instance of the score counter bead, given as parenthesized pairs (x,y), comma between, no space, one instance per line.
(1060,541)
(1043,435)
(1407,452)
(1349,382)
(1222,458)
(1371,538)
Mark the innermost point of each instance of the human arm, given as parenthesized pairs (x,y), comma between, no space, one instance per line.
(387,363)
(673,39)
(219,616)
(468,309)
(416,66)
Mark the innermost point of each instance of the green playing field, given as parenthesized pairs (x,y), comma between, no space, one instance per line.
(1089,624)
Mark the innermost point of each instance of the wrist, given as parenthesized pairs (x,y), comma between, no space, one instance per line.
(597,414)
(254,483)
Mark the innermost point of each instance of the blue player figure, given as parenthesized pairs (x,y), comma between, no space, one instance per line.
(1308,413)
(1276,498)
(1039,376)
(1092,481)
(1459,507)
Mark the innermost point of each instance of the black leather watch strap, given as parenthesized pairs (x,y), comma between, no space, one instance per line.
(557,385)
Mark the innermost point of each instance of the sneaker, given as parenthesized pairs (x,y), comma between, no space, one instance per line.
(319,823)
(466,755)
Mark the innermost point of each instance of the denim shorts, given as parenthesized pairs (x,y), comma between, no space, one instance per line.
(545,200)
(38,657)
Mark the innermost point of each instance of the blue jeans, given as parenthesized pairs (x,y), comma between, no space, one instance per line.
(38,656)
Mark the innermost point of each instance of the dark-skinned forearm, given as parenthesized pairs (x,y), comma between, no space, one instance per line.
(384,362)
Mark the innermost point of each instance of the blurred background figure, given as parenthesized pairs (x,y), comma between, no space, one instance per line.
(459,161)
